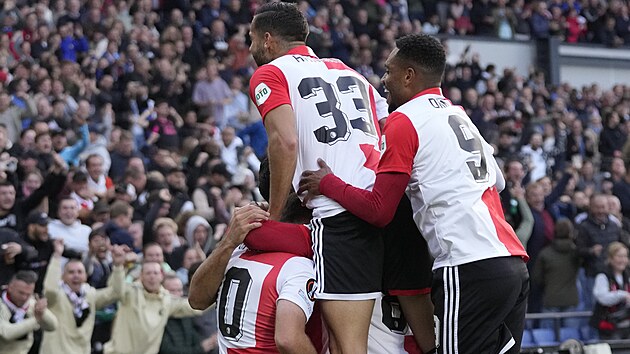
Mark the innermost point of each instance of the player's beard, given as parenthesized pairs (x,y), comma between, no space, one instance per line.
(391,106)
(259,57)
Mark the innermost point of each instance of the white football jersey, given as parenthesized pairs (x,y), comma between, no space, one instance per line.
(389,332)
(337,113)
(454,180)
(246,301)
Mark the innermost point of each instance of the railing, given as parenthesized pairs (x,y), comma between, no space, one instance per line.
(618,345)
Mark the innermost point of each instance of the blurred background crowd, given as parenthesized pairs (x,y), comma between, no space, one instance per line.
(128,123)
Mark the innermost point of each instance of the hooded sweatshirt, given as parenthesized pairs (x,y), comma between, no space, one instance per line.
(191,225)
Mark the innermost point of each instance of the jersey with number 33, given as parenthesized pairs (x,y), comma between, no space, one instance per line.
(337,113)
(246,301)
(454,180)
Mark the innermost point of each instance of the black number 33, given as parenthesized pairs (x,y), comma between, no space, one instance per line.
(471,142)
(345,85)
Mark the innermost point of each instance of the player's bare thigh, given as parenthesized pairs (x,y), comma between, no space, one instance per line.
(349,322)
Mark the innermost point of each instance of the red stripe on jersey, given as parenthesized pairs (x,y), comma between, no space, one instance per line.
(401,144)
(504,231)
(371,156)
(411,346)
(271,78)
(409,292)
(335,64)
(266,318)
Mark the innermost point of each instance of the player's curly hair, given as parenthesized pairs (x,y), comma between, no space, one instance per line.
(282,19)
(423,52)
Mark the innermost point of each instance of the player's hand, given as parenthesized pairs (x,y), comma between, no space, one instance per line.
(309,182)
(262,205)
(243,221)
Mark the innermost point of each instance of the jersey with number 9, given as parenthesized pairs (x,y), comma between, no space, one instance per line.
(453,183)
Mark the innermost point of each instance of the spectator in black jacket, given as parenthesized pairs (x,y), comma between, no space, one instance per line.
(36,236)
(594,235)
(13,253)
(12,212)
(611,139)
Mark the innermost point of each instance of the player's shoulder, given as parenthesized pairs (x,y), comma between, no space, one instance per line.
(268,71)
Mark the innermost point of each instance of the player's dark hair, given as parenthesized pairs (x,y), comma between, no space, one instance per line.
(264,179)
(425,53)
(294,212)
(281,19)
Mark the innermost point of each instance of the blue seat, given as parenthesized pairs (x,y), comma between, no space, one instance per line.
(528,340)
(544,337)
(588,334)
(569,333)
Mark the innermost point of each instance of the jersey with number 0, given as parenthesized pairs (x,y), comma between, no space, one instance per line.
(454,180)
(389,332)
(246,301)
(337,113)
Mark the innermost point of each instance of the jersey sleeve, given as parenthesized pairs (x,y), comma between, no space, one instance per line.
(381,104)
(400,142)
(296,283)
(269,89)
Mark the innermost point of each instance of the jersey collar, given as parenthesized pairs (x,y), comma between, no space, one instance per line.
(302,50)
(429,91)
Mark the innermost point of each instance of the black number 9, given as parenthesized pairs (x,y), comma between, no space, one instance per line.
(469,141)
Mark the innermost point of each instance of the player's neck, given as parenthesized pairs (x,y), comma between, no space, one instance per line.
(423,87)
(288,46)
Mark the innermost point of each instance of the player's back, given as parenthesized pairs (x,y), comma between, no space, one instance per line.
(337,119)
(246,301)
(452,185)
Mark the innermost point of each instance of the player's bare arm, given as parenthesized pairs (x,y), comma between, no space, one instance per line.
(283,148)
(290,335)
(207,279)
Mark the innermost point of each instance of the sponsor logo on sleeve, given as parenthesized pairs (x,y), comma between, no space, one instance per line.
(311,288)
(262,93)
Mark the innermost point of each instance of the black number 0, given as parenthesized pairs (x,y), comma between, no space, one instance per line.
(393,317)
(234,296)
(469,141)
(309,87)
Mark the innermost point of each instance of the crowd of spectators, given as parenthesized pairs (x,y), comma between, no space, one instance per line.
(127,123)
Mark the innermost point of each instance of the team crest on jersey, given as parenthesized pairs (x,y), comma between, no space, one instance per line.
(311,288)
(262,93)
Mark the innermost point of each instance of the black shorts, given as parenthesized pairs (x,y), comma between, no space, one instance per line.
(348,256)
(407,265)
(480,306)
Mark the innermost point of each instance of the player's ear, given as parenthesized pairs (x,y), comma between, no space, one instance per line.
(410,75)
